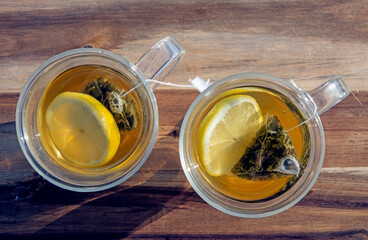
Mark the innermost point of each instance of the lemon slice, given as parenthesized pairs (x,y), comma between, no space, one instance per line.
(82,129)
(226,131)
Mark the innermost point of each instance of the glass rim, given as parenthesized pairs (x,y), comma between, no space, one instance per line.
(25,93)
(206,194)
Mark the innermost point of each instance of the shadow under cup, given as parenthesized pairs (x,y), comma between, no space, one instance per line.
(73,177)
(210,193)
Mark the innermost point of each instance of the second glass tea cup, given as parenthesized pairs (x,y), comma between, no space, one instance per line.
(310,104)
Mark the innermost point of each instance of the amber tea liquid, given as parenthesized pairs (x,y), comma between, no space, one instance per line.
(75,80)
(271,103)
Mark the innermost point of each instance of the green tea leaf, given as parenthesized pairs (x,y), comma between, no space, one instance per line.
(122,107)
(262,159)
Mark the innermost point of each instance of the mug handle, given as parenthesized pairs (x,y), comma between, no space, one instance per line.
(329,94)
(160,59)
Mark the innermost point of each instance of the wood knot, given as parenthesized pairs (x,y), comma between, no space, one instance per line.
(174,133)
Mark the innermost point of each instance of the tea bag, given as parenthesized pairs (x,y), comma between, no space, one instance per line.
(122,107)
(271,155)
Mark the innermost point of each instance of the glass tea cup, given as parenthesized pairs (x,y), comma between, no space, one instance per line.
(156,63)
(310,105)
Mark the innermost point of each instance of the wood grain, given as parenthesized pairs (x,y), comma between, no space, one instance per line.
(158,202)
(307,41)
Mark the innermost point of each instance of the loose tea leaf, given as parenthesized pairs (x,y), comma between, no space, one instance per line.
(271,155)
(122,107)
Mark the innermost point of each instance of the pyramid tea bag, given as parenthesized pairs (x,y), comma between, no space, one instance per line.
(271,155)
(122,107)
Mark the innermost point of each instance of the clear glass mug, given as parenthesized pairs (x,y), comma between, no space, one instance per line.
(156,63)
(311,105)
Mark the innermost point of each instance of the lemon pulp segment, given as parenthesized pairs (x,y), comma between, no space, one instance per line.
(83,130)
(225,132)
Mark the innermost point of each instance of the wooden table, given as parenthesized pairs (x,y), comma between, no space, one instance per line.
(307,41)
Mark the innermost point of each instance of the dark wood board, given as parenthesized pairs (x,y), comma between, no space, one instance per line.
(307,41)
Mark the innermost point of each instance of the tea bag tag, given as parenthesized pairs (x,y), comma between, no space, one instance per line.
(199,84)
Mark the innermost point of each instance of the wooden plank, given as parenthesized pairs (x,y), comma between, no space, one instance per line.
(146,212)
(345,125)
(308,41)
(158,202)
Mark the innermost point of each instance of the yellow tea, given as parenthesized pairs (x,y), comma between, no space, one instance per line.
(80,79)
(243,182)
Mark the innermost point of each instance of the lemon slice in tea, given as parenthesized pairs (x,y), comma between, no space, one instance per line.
(226,131)
(82,129)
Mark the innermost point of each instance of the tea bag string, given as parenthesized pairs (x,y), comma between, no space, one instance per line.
(201,85)
(313,115)
(196,83)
